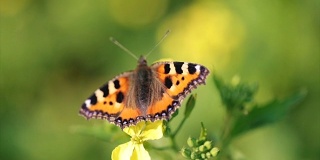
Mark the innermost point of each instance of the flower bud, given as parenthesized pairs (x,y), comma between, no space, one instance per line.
(202,148)
(186,152)
(208,145)
(192,142)
(203,155)
(193,155)
(214,151)
(208,155)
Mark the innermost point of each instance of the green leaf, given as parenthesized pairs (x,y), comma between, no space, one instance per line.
(167,130)
(269,113)
(190,105)
(174,115)
(234,96)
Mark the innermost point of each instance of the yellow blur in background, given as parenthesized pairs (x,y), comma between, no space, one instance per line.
(54,54)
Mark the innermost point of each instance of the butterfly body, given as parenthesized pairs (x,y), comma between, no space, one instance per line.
(145,89)
(146,93)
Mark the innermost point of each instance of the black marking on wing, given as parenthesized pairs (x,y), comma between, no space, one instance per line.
(178,67)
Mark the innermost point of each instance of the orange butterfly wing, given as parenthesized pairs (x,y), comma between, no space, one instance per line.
(107,102)
(179,78)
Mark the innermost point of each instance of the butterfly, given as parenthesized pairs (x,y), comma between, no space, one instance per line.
(147,93)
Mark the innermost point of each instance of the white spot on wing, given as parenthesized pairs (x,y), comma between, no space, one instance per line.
(185,69)
(111,87)
(117,105)
(88,103)
(99,95)
(172,69)
(173,88)
(198,68)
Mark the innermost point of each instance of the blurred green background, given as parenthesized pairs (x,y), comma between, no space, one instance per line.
(54,54)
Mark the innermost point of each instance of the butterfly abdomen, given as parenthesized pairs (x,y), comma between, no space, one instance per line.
(143,83)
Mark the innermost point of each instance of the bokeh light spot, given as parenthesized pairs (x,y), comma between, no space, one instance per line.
(204,32)
(138,13)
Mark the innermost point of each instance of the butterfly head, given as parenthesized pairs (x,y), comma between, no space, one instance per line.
(142,61)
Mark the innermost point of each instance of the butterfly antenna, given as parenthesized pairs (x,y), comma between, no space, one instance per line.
(122,47)
(164,36)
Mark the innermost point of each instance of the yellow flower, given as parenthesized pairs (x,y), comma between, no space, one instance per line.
(134,150)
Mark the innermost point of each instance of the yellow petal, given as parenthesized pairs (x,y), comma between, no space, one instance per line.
(136,129)
(152,131)
(123,151)
(139,153)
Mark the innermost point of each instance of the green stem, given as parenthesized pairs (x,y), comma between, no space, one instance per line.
(174,144)
(173,135)
(225,137)
(226,128)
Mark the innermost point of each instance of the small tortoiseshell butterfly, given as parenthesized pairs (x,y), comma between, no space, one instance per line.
(147,93)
